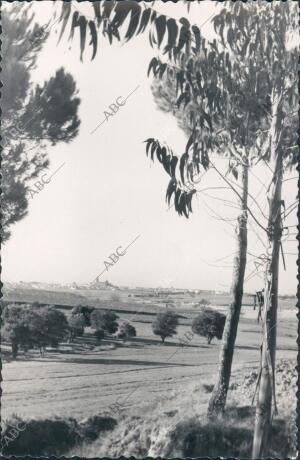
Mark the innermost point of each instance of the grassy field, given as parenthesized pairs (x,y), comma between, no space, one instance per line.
(84,379)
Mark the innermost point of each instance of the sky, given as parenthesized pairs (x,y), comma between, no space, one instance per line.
(106,194)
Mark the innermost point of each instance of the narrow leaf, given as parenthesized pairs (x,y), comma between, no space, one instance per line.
(94,38)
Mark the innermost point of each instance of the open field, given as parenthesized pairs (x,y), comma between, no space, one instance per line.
(85,379)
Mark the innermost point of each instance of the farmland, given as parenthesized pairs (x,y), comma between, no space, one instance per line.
(85,378)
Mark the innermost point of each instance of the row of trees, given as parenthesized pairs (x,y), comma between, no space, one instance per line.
(34,326)
(208,323)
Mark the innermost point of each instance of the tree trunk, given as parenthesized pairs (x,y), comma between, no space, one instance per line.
(218,397)
(14,349)
(266,388)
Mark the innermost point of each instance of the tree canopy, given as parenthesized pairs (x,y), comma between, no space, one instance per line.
(26,326)
(34,116)
(165,325)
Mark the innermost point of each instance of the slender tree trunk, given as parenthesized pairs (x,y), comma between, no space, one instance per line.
(218,397)
(14,349)
(266,388)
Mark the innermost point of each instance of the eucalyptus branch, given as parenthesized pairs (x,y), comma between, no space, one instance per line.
(240,197)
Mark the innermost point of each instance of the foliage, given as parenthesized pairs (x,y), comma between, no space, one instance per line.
(219,101)
(126,331)
(26,136)
(76,325)
(110,16)
(15,328)
(50,437)
(28,327)
(83,311)
(93,426)
(209,323)
(165,325)
(48,327)
(106,320)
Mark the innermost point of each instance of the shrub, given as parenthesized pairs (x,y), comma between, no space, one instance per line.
(41,437)
(106,320)
(165,325)
(51,437)
(209,323)
(194,438)
(93,426)
(126,331)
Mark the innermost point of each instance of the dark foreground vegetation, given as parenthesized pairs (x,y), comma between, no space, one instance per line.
(49,437)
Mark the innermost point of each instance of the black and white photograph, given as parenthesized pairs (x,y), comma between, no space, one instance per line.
(149,228)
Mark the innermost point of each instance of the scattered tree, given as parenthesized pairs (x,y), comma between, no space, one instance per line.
(84,312)
(209,323)
(106,320)
(48,327)
(15,328)
(126,331)
(165,325)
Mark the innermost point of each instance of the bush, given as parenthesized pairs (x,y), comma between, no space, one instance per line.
(41,437)
(126,331)
(93,426)
(106,320)
(165,325)
(51,437)
(194,438)
(209,323)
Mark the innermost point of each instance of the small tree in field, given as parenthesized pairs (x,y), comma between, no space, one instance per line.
(48,327)
(84,312)
(104,320)
(15,329)
(209,324)
(126,331)
(165,325)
